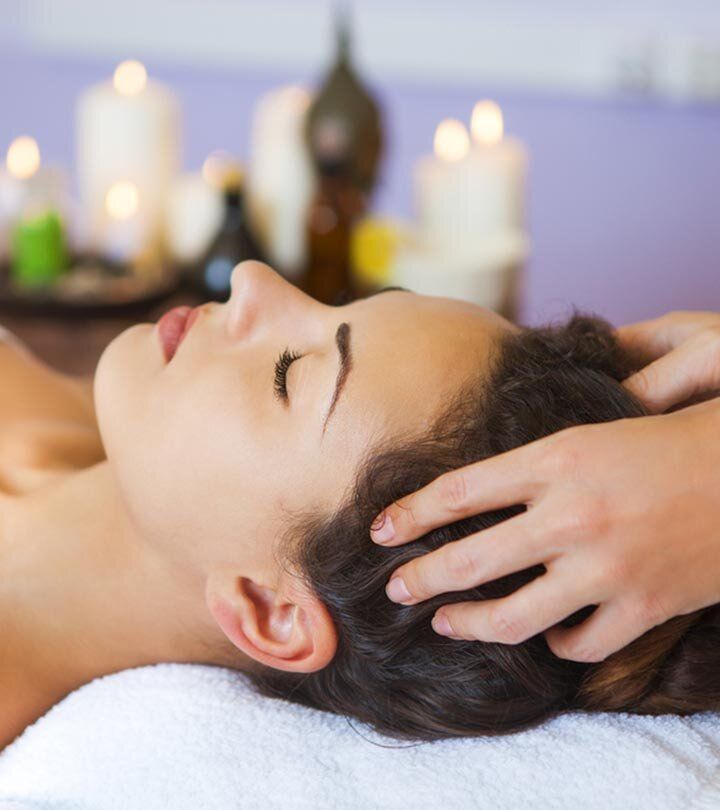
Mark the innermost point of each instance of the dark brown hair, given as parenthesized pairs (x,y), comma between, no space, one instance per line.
(391,669)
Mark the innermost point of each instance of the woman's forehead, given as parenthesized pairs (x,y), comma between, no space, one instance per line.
(448,324)
(412,353)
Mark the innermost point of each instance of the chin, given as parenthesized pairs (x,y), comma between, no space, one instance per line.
(124,371)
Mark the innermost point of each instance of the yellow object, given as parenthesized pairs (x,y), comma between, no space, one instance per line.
(373,246)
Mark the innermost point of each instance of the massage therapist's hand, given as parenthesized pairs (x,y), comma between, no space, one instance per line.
(623,515)
(680,353)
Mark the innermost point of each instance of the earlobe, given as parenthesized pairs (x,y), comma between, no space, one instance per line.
(286,627)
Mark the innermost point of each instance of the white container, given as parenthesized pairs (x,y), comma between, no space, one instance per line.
(488,277)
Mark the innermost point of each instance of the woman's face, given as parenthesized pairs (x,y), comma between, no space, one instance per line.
(212,457)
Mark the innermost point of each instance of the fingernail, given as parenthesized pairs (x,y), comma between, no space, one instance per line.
(397,590)
(441,625)
(382,530)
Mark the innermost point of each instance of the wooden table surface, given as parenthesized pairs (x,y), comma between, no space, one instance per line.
(73,343)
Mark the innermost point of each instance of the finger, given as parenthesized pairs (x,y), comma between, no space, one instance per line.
(685,372)
(644,341)
(526,612)
(610,628)
(493,483)
(512,545)
(648,340)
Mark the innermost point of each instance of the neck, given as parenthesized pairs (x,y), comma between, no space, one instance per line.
(83,595)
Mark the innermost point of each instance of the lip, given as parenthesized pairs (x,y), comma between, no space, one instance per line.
(173,326)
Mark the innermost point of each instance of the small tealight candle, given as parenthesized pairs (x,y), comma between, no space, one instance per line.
(122,200)
(125,230)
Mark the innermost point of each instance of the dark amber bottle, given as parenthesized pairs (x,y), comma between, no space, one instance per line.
(335,208)
(344,138)
(234,243)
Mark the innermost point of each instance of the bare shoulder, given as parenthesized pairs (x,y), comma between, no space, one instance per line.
(31,388)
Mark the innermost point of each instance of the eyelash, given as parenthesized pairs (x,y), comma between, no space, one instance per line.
(282,364)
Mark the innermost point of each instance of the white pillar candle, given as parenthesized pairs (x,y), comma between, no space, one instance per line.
(465,192)
(281,180)
(128,133)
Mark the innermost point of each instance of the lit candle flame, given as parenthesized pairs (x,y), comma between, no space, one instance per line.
(122,200)
(23,157)
(452,141)
(130,78)
(487,123)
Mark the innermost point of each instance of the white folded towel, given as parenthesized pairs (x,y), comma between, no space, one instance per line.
(185,736)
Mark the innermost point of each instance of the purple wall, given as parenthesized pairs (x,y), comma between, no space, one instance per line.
(623,198)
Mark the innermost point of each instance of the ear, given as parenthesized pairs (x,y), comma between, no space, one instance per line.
(286,627)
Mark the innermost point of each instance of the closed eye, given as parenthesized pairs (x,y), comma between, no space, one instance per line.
(282,365)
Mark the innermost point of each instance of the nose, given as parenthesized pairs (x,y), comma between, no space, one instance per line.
(260,297)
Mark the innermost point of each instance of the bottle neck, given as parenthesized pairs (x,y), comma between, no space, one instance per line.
(342,37)
(233,197)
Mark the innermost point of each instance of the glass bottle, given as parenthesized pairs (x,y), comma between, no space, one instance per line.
(234,243)
(344,122)
(335,207)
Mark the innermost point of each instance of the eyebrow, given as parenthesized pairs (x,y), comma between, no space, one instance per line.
(387,289)
(342,341)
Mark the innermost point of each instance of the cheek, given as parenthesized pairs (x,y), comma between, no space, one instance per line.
(200,466)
